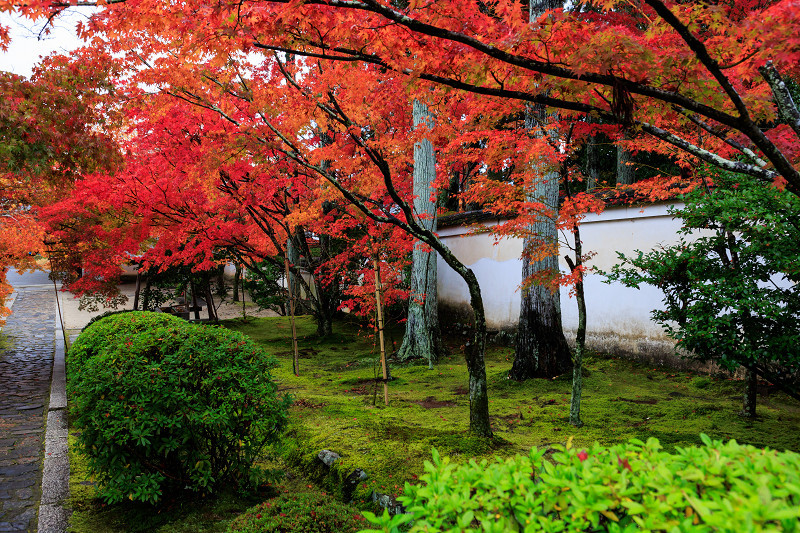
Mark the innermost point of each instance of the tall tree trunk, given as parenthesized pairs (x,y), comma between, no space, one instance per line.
(625,170)
(423,338)
(750,394)
(592,162)
(541,350)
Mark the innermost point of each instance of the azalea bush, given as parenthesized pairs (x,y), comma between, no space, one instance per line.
(164,405)
(623,488)
(299,513)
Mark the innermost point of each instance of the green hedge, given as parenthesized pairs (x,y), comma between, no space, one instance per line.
(627,487)
(164,405)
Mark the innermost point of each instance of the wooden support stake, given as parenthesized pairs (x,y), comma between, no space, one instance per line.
(296,361)
(380,331)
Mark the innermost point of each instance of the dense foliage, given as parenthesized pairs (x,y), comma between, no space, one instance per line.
(163,405)
(627,487)
(299,512)
(731,294)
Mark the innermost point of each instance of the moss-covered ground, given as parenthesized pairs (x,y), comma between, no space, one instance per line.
(338,405)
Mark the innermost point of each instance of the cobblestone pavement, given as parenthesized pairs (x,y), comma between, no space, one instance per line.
(26,361)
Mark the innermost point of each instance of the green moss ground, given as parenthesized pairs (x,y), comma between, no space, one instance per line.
(337,405)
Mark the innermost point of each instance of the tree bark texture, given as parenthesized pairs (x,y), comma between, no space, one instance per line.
(626,173)
(592,163)
(422,338)
(541,349)
(580,336)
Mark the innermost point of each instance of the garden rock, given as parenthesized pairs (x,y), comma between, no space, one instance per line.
(388,502)
(328,457)
(351,482)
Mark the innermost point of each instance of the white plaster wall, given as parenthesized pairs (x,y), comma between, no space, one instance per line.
(614,313)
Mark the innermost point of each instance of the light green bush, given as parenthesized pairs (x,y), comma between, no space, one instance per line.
(624,488)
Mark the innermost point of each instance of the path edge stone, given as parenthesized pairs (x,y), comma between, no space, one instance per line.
(53,515)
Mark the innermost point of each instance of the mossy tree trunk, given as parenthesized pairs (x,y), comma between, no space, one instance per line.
(576,266)
(422,337)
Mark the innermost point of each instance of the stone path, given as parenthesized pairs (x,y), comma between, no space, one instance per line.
(26,362)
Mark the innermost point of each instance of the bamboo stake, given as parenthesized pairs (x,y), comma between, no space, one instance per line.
(296,361)
(380,330)
(60,316)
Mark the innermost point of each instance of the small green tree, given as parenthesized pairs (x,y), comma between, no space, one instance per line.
(263,284)
(731,295)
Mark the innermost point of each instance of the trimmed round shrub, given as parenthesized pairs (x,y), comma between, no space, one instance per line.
(299,513)
(623,488)
(164,405)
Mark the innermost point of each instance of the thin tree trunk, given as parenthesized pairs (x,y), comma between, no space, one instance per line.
(479,422)
(749,398)
(212,313)
(542,350)
(580,336)
(422,337)
(293,254)
(296,360)
(379,309)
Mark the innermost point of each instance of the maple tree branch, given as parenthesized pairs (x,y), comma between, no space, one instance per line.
(787,108)
(727,140)
(523,62)
(745,123)
(709,157)
(701,52)
(523,96)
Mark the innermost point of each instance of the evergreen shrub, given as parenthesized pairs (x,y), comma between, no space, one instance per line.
(164,405)
(623,488)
